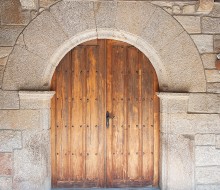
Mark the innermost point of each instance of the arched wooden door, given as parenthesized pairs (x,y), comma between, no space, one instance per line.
(105,118)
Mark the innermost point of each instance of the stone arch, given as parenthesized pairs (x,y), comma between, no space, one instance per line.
(66,24)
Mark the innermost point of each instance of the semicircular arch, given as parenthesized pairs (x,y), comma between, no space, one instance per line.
(53,33)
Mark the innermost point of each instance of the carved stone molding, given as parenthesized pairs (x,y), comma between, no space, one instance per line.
(35,99)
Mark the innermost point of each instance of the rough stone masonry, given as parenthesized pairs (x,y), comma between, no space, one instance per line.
(34,33)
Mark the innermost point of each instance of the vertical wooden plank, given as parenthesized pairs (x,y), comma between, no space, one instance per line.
(92,123)
(109,131)
(151,117)
(116,105)
(69,124)
(118,110)
(147,120)
(59,122)
(94,102)
(156,131)
(53,132)
(77,150)
(133,115)
(65,114)
(125,100)
(140,118)
(101,102)
(84,116)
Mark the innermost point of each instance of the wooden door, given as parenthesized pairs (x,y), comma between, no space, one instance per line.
(77,118)
(133,133)
(96,77)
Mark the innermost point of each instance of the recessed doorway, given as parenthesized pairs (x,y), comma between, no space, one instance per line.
(105,118)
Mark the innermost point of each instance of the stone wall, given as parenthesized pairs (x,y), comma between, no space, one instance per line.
(190,128)
(199,122)
(25,141)
(204,28)
(190,122)
(15,15)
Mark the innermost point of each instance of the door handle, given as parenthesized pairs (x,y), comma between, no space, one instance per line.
(108,116)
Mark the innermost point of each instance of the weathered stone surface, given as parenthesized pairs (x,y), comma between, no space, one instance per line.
(173,104)
(190,23)
(210,25)
(163,3)
(204,103)
(208,187)
(9,34)
(203,42)
(190,123)
(207,156)
(12,14)
(19,119)
(212,75)
(217,138)
(208,175)
(209,60)
(5,51)
(5,164)
(45,119)
(9,99)
(74,16)
(47,3)
(183,51)
(34,104)
(205,139)
(217,43)
(35,155)
(23,72)
(177,9)
(159,22)
(180,162)
(105,14)
(2,68)
(205,6)
(215,11)
(46,39)
(34,14)
(213,87)
(5,183)
(3,61)
(35,99)
(189,9)
(133,17)
(10,140)
(168,10)
(29,4)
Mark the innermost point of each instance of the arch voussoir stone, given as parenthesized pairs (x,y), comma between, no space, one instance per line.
(105,14)
(44,35)
(133,17)
(23,70)
(183,63)
(161,29)
(74,16)
(68,23)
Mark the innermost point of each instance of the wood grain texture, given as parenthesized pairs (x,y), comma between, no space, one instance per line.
(95,77)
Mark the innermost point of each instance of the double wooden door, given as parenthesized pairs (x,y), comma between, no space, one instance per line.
(104,118)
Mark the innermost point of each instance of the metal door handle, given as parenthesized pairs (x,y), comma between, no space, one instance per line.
(108,116)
